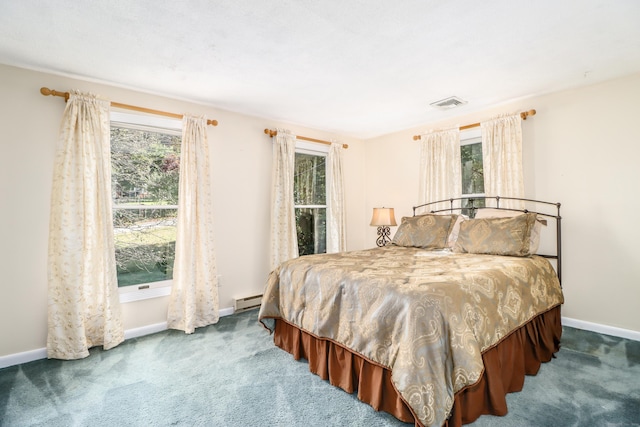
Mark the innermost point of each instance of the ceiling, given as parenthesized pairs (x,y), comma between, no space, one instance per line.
(357,68)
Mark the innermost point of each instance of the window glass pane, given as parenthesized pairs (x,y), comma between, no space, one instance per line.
(145,241)
(145,171)
(311,226)
(145,167)
(309,184)
(469,204)
(472,172)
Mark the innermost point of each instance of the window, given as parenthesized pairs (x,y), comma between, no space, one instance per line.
(310,200)
(145,171)
(472,170)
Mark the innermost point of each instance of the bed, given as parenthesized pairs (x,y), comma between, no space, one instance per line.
(437,327)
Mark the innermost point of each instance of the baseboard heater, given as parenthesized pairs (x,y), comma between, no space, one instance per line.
(243,304)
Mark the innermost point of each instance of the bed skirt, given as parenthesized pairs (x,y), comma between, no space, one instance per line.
(506,364)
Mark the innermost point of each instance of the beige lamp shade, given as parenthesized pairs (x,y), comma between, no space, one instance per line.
(383,217)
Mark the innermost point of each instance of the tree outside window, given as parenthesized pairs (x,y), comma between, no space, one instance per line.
(472,174)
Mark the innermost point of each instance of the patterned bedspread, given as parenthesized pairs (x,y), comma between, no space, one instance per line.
(426,315)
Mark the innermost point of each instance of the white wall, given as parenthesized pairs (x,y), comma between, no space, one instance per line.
(582,149)
(241,158)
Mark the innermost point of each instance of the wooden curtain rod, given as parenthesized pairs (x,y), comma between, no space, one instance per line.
(523,116)
(46,91)
(273,133)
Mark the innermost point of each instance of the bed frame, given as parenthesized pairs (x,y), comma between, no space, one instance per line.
(471,207)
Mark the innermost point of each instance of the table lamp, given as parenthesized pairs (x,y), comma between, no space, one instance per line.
(383,218)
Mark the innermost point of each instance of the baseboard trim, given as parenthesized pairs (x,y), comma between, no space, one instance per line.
(145,330)
(226,311)
(41,353)
(601,329)
(24,357)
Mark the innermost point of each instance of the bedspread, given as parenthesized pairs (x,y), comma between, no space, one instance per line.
(425,315)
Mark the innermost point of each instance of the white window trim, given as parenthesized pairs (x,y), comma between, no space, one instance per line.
(150,290)
(312,148)
(311,206)
(470,136)
(152,123)
(145,291)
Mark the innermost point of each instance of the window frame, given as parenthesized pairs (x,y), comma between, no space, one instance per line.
(321,150)
(166,125)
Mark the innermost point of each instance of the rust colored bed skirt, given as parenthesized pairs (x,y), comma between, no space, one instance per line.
(506,365)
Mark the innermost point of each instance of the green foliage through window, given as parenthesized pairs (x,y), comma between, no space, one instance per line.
(472,171)
(472,176)
(145,166)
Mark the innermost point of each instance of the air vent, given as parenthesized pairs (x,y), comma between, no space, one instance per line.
(447,103)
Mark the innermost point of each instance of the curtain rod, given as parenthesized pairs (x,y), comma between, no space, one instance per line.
(46,91)
(273,133)
(523,116)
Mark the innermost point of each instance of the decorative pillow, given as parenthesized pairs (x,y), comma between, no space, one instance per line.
(497,236)
(453,234)
(424,231)
(502,213)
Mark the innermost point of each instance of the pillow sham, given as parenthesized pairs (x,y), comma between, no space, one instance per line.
(455,229)
(502,213)
(424,231)
(509,236)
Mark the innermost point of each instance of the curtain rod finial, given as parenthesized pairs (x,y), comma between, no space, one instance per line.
(416,137)
(46,92)
(270,132)
(526,114)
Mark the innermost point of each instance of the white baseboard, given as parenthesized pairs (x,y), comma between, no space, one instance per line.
(226,311)
(601,329)
(41,353)
(24,357)
(145,330)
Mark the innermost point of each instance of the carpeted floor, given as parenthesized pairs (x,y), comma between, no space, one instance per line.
(231,374)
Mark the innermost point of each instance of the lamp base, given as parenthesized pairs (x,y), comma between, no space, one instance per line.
(384,233)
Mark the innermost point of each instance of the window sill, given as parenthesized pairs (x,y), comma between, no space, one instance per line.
(148,291)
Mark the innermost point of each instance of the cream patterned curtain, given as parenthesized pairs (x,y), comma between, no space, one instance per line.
(194,294)
(284,239)
(84,307)
(440,174)
(336,234)
(502,159)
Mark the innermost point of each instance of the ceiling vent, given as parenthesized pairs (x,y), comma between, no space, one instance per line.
(448,103)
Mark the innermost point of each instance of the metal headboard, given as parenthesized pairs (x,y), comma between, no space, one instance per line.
(472,208)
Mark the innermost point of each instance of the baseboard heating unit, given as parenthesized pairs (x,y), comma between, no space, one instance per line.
(243,304)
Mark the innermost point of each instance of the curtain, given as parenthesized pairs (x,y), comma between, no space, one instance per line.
(84,307)
(194,294)
(336,234)
(284,240)
(502,159)
(440,174)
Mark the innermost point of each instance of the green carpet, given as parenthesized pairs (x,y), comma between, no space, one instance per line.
(231,374)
